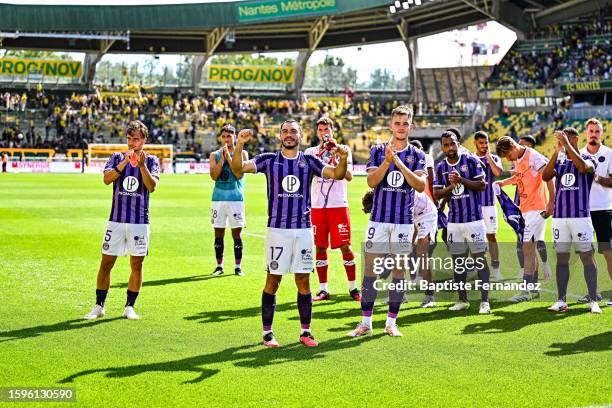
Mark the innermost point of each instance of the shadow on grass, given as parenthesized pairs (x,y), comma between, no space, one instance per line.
(594,343)
(250,356)
(319,311)
(513,321)
(407,316)
(162,282)
(36,331)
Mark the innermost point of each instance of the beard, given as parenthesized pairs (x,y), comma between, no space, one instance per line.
(290,145)
(593,142)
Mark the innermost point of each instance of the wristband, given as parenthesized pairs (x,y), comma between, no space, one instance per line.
(116,168)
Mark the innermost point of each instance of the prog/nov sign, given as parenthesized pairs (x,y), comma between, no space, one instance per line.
(52,68)
(230,73)
(283,8)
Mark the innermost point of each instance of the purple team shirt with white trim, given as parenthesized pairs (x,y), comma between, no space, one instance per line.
(393,196)
(289,182)
(572,189)
(463,203)
(487,198)
(130,195)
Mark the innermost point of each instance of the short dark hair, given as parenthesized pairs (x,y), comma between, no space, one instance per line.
(297,124)
(325,121)
(456,132)
(570,131)
(448,133)
(227,128)
(417,143)
(529,139)
(138,126)
(481,135)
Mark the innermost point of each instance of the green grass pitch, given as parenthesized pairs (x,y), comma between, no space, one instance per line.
(198,340)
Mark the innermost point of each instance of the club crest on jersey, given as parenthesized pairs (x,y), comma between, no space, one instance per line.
(395,178)
(130,184)
(291,183)
(302,164)
(409,159)
(601,159)
(464,168)
(342,229)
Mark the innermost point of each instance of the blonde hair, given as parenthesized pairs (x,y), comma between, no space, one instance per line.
(402,110)
(593,121)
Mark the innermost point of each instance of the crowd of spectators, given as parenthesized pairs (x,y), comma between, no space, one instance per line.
(39,119)
(570,58)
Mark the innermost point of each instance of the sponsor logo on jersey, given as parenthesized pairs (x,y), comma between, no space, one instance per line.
(130,184)
(291,183)
(306,255)
(395,178)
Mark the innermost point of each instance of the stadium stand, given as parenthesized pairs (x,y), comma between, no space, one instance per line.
(568,53)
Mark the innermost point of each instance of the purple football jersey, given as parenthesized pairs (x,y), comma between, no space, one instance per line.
(130,196)
(393,196)
(289,182)
(487,198)
(463,203)
(572,189)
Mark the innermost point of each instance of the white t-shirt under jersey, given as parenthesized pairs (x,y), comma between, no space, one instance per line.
(328,193)
(422,203)
(600,197)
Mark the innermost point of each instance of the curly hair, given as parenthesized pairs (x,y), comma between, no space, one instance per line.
(367,201)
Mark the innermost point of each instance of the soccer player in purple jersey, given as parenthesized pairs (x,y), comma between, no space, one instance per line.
(493,168)
(395,170)
(289,240)
(460,177)
(128,227)
(574,174)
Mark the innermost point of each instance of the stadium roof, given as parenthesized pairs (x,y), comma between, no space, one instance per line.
(200,28)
